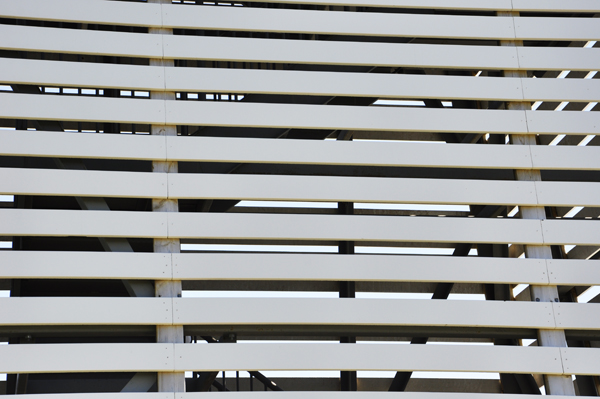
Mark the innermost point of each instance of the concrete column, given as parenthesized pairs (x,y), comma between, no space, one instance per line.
(555,385)
(167,382)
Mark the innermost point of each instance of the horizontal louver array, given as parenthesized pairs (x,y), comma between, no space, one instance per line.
(309,185)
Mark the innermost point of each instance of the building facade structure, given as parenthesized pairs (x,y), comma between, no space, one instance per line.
(295,195)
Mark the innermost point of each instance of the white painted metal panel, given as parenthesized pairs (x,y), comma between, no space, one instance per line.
(91,11)
(37,222)
(461,4)
(347,84)
(580,316)
(565,122)
(576,232)
(558,58)
(82,74)
(290,395)
(82,145)
(339,53)
(566,157)
(80,41)
(31,311)
(79,74)
(82,183)
(508,359)
(350,189)
(64,358)
(343,117)
(352,311)
(328,267)
(555,5)
(573,271)
(354,228)
(215,149)
(568,193)
(489,5)
(535,28)
(561,89)
(117,395)
(337,23)
(345,395)
(581,361)
(82,108)
(85,265)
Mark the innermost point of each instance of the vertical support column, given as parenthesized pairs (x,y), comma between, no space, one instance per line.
(555,385)
(167,382)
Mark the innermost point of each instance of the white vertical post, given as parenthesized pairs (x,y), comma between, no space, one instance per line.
(167,382)
(555,385)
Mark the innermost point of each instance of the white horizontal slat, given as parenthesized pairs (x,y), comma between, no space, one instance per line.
(30,311)
(82,183)
(340,53)
(344,117)
(352,311)
(82,145)
(47,107)
(325,356)
(80,41)
(556,5)
(382,190)
(581,361)
(565,157)
(82,74)
(216,149)
(327,267)
(535,28)
(345,84)
(261,50)
(573,272)
(345,395)
(136,77)
(541,122)
(561,89)
(160,357)
(353,228)
(558,58)
(92,11)
(350,189)
(576,232)
(112,265)
(63,358)
(122,395)
(47,223)
(372,24)
(290,395)
(337,23)
(93,109)
(21,222)
(480,5)
(568,193)
(581,316)
(85,265)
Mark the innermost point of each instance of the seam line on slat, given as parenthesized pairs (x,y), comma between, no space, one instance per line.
(554,318)
(562,362)
(172,266)
(173,313)
(548,275)
(541,222)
